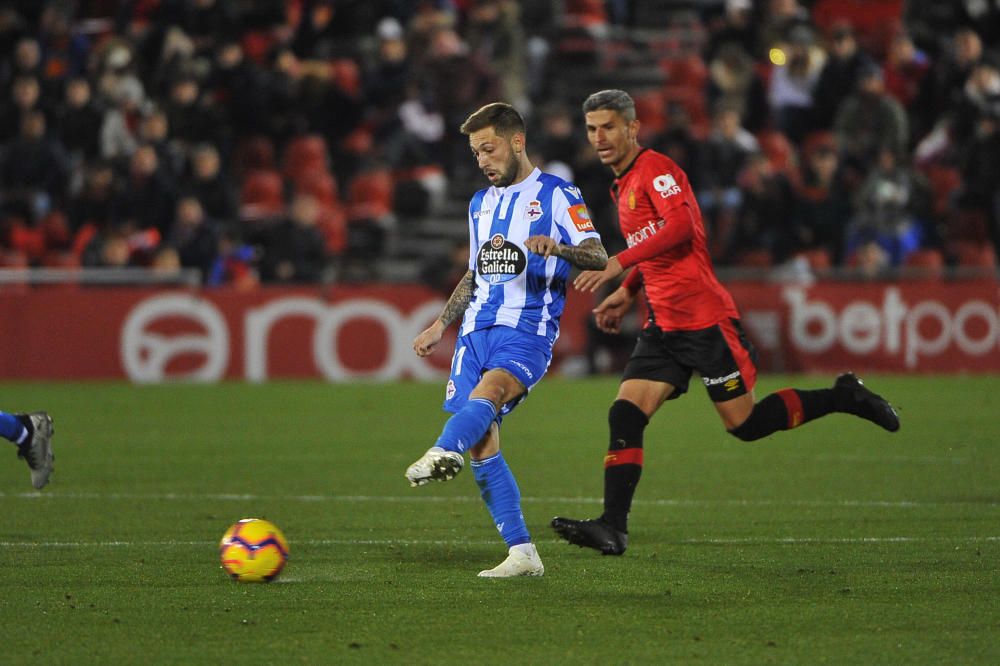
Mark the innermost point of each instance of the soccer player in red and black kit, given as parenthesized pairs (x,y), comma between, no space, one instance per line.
(693,324)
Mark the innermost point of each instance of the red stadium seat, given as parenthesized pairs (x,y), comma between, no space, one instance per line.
(927,264)
(779,151)
(755,259)
(975,255)
(346,76)
(303,155)
(257,44)
(13,259)
(816,140)
(262,194)
(55,229)
(322,186)
(651,110)
(694,104)
(370,195)
(27,241)
(687,72)
(61,260)
(819,259)
(253,153)
(82,238)
(585,13)
(944,181)
(332,224)
(359,142)
(874,20)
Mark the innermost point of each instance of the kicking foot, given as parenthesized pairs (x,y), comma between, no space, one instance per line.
(860,401)
(595,534)
(37,449)
(522,561)
(435,465)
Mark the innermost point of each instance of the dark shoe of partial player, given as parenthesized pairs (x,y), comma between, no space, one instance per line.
(594,533)
(37,449)
(861,401)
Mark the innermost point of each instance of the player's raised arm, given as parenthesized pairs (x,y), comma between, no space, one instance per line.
(588,255)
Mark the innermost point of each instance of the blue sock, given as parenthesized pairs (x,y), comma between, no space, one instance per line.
(500,492)
(467,426)
(11,428)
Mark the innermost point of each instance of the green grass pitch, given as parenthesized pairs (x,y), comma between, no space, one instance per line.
(836,543)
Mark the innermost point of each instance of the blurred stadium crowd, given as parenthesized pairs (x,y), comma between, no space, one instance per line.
(316,140)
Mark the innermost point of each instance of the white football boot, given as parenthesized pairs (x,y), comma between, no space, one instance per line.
(435,465)
(37,451)
(522,561)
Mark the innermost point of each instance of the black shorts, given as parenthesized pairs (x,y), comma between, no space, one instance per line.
(721,354)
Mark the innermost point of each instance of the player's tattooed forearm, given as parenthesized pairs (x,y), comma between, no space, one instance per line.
(459,299)
(589,255)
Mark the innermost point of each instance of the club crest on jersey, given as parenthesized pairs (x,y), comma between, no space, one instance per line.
(499,260)
(581,217)
(449,391)
(631,199)
(533,210)
(666,185)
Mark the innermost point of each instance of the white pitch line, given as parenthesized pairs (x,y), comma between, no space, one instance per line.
(214,544)
(437,499)
(751,541)
(736,541)
(853,459)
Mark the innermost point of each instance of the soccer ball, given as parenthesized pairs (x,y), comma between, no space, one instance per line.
(253,551)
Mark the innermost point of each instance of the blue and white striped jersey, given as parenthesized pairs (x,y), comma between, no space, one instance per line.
(514,287)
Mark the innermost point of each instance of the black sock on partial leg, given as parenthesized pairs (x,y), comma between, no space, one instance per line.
(623,463)
(784,410)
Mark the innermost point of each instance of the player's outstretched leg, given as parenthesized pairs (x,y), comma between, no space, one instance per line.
(34,445)
(444,460)
(789,408)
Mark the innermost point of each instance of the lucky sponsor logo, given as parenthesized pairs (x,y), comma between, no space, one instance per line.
(581,218)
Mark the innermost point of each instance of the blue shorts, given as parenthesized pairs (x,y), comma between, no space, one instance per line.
(524,355)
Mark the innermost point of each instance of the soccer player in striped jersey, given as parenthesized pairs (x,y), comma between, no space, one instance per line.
(32,435)
(525,232)
(693,324)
